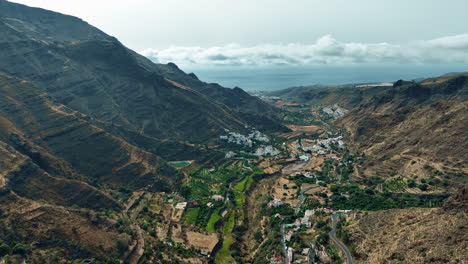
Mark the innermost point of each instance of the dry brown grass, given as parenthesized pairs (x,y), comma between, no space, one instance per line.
(202,241)
(413,235)
(297,128)
(288,194)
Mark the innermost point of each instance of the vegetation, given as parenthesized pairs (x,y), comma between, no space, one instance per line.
(352,197)
(394,185)
(224,254)
(4,250)
(19,249)
(121,246)
(190,215)
(214,218)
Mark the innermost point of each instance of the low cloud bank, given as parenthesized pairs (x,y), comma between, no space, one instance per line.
(326,50)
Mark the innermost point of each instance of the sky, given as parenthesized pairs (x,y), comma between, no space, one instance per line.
(264,33)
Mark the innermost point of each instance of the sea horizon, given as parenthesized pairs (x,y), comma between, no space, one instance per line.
(255,79)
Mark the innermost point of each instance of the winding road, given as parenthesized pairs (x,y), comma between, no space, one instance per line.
(340,244)
(302,198)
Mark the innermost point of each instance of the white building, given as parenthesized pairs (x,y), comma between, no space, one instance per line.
(181,206)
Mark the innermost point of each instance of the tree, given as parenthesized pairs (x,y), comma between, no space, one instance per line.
(323,238)
(258,236)
(121,246)
(422,187)
(4,250)
(411,183)
(19,249)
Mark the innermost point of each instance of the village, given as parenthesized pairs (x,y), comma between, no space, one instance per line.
(286,196)
(301,185)
(310,156)
(210,206)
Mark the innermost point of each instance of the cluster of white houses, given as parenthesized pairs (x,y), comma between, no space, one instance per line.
(321,146)
(239,139)
(334,110)
(266,150)
(276,202)
(248,141)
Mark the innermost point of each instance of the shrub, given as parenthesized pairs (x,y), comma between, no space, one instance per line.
(422,187)
(121,246)
(4,250)
(411,183)
(258,236)
(19,249)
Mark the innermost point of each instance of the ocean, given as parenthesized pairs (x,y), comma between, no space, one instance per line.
(275,78)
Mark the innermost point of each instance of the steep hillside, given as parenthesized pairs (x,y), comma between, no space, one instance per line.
(415,235)
(414,129)
(249,108)
(81,67)
(41,23)
(54,234)
(60,142)
(62,178)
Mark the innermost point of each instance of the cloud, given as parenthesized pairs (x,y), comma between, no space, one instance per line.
(326,50)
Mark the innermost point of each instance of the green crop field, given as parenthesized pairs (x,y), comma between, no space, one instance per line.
(224,254)
(214,218)
(190,215)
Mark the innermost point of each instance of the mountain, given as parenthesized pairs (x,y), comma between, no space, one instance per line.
(58,171)
(91,72)
(84,123)
(56,146)
(347,96)
(414,129)
(410,128)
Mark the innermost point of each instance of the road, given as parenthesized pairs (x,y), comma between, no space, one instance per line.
(340,244)
(312,253)
(302,198)
(283,244)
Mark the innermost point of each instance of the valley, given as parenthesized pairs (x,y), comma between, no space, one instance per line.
(305,201)
(310,195)
(109,158)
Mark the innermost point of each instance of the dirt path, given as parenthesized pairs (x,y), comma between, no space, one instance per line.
(139,248)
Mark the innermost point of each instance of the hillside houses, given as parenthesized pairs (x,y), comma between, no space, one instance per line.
(246,141)
(181,206)
(217,198)
(320,146)
(258,136)
(230,154)
(267,150)
(276,202)
(334,110)
(237,138)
